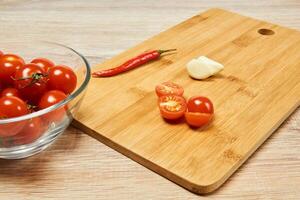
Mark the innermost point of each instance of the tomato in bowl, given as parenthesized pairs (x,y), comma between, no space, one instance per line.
(33,112)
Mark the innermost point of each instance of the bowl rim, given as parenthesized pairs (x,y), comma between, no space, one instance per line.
(65,101)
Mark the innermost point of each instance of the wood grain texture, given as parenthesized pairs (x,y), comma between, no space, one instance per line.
(257,90)
(79,167)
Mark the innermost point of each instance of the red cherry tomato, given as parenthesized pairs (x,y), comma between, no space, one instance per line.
(9,63)
(31,81)
(200,111)
(1,53)
(12,107)
(172,106)
(8,92)
(33,129)
(50,98)
(168,88)
(44,63)
(3,116)
(62,78)
(200,104)
(1,86)
(197,119)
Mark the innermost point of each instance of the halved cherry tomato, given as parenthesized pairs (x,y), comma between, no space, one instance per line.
(8,92)
(172,106)
(31,81)
(62,78)
(33,129)
(200,104)
(9,63)
(12,107)
(44,63)
(197,119)
(168,88)
(50,98)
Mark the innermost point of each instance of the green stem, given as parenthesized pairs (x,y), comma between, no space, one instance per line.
(164,51)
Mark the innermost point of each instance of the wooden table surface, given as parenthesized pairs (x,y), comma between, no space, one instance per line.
(79,167)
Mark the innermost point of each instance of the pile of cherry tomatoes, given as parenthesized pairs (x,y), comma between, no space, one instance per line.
(29,87)
(198,110)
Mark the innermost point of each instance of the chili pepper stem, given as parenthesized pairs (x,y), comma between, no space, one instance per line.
(164,51)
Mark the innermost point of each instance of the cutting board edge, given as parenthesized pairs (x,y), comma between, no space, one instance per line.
(197,188)
(189,185)
(249,17)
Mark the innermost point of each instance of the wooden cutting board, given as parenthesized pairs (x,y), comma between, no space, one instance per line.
(253,95)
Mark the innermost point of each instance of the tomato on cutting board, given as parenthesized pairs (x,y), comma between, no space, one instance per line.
(44,63)
(199,111)
(168,88)
(9,63)
(197,119)
(172,106)
(200,104)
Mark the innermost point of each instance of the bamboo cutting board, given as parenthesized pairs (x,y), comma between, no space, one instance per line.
(253,95)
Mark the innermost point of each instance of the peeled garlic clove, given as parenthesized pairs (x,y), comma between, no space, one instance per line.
(203,67)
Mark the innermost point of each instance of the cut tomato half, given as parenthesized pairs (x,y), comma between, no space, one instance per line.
(172,106)
(168,88)
(197,119)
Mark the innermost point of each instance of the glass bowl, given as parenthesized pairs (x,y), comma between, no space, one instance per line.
(31,141)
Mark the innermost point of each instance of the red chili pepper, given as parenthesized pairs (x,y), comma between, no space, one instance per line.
(132,63)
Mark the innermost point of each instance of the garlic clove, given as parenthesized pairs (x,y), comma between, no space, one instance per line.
(203,67)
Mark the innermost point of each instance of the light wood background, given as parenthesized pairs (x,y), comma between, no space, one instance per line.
(79,167)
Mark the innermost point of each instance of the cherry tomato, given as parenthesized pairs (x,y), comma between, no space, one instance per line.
(50,98)
(1,53)
(8,92)
(62,78)
(197,119)
(200,111)
(168,88)
(9,63)
(31,81)
(3,116)
(44,63)
(172,106)
(200,104)
(12,107)
(32,130)
(1,86)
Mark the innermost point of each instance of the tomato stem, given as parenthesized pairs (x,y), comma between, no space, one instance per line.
(34,78)
(31,107)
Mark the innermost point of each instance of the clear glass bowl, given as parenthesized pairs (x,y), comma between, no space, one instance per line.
(14,147)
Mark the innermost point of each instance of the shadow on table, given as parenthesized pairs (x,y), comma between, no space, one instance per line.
(36,168)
